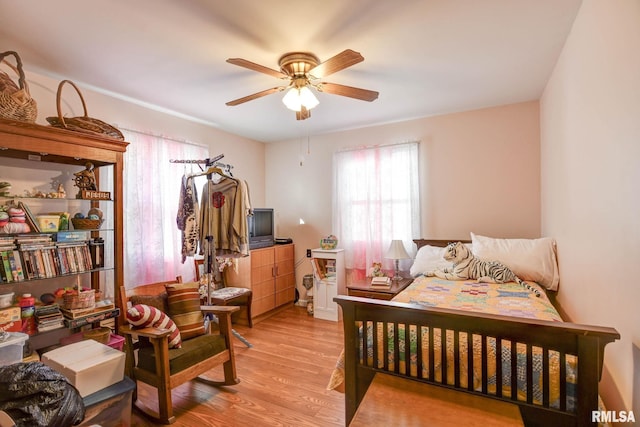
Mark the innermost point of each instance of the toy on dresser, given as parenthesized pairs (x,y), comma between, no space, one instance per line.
(375,270)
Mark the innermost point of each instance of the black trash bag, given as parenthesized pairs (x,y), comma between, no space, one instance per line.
(35,395)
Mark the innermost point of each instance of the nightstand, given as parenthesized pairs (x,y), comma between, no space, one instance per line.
(363,289)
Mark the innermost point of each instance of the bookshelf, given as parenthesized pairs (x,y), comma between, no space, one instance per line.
(329,281)
(40,163)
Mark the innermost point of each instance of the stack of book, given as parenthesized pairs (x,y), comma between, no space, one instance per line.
(44,258)
(49,317)
(381,282)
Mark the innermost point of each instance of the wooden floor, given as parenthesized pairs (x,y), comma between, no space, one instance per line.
(283,379)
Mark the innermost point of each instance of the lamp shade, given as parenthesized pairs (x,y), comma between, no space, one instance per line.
(397,250)
(296,98)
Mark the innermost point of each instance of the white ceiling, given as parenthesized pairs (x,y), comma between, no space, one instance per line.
(425,57)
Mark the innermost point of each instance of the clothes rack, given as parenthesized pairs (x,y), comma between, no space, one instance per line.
(210,162)
(210,265)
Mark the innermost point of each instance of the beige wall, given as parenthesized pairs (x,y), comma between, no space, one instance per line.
(479,171)
(590,146)
(247,156)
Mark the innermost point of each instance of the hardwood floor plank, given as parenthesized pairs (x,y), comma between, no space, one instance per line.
(283,379)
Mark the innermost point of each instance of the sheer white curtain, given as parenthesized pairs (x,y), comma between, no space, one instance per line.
(376,200)
(152,242)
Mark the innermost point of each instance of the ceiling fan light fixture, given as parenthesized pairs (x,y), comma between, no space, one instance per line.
(296,98)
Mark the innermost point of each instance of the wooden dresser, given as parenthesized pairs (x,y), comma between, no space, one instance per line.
(270,274)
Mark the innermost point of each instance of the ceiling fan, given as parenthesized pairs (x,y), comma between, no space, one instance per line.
(303,70)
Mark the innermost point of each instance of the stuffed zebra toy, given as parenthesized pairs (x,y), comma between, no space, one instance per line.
(467,266)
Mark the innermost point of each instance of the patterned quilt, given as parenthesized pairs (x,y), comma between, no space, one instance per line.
(508,299)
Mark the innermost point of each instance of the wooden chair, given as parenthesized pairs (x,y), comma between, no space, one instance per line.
(151,361)
(228,295)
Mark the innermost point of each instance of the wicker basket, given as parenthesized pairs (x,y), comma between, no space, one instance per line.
(102,335)
(15,100)
(84,124)
(81,301)
(86,224)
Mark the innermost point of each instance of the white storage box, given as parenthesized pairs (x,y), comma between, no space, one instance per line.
(11,348)
(88,365)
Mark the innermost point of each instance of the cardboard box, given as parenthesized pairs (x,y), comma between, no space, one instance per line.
(10,320)
(88,365)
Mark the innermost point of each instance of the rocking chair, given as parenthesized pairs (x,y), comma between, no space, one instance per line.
(150,360)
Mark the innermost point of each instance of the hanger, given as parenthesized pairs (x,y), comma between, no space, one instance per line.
(216,170)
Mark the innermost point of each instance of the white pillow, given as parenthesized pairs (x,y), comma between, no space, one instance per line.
(429,258)
(530,259)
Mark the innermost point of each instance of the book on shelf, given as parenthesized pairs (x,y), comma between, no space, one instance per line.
(11,269)
(30,217)
(324,269)
(318,269)
(381,282)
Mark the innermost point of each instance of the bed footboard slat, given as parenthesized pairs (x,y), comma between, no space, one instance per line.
(443,356)
(419,354)
(529,367)
(563,382)
(484,362)
(470,366)
(432,364)
(514,370)
(546,374)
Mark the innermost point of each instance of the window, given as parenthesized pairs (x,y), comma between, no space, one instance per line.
(152,241)
(376,200)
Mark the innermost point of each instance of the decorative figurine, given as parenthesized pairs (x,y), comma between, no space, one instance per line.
(61,193)
(85,179)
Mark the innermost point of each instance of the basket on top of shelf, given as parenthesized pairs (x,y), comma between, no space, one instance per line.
(86,223)
(81,300)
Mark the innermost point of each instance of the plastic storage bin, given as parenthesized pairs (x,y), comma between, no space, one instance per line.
(11,349)
(48,223)
(115,341)
(111,406)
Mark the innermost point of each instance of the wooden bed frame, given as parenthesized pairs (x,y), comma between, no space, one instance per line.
(585,342)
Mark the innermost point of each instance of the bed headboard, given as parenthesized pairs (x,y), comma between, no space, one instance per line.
(437,242)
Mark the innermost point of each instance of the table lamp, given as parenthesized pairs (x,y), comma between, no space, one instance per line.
(397,252)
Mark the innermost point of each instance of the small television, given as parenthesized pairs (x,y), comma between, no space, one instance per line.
(261,228)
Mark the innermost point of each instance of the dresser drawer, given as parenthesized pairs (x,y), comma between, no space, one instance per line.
(370,294)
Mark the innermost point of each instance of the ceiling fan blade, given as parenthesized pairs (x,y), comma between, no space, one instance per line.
(351,92)
(257,67)
(255,95)
(344,59)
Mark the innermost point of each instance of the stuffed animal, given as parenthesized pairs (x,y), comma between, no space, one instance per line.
(376,270)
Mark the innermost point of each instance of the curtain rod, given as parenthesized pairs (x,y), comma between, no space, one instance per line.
(371,147)
(157,135)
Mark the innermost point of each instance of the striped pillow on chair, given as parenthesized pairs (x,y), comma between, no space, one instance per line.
(184,308)
(143,316)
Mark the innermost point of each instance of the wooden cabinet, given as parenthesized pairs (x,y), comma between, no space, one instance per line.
(36,156)
(269,273)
